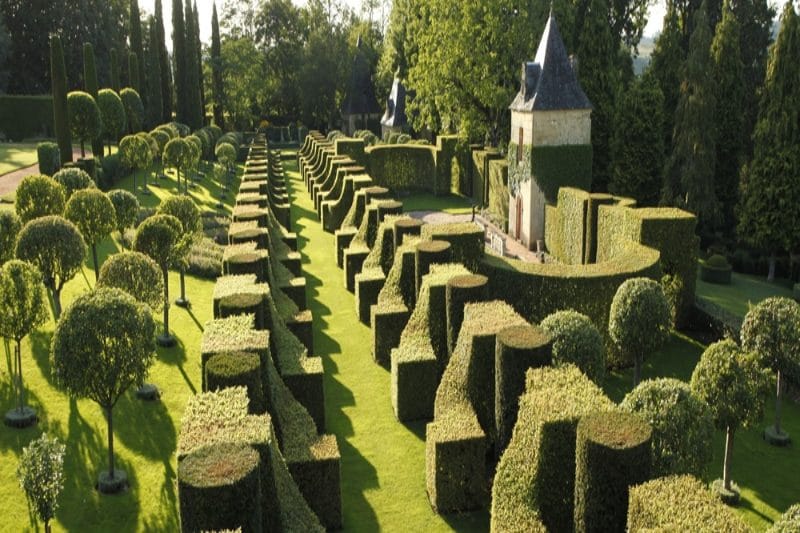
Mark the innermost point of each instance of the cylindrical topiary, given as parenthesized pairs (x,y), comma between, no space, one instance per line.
(612,454)
(462,290)
(246,304)
(577,341)
(389,207)
(517,349)
(406,226)
(253,262)
(219,488)
(48,157)
(428,253)
(237,369)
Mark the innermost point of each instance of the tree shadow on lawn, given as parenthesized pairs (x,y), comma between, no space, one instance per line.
(40,351)
(82,507)
(176,356)
(360,476)
(145,427)
(13,438)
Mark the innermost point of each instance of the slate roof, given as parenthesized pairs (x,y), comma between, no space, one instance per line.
(360,98)
(549,82)
(395,115)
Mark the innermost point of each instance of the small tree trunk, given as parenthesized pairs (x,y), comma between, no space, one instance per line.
(778,398)
(726,465)
(166,302)
(83,152)
(109,411)
(57,303)
(94,260)
(637,370)
(771,273)
(183,286)
(47,528)
(20,386)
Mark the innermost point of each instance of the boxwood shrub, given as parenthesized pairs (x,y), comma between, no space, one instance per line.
(237,369)
(716,269)
(534,483)
(48,157)
(682,503)
(612,454)
(465,238)
(403,167)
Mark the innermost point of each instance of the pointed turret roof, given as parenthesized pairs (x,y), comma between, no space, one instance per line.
(395,115)
(549,82)
(360,97)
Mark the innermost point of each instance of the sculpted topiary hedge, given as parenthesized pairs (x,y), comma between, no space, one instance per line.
(465,238)
(403,167)
(681,503)
(535,480)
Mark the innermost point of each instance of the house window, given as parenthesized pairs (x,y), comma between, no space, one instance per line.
(519,146)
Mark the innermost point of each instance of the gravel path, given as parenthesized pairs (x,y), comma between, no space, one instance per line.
(10,180)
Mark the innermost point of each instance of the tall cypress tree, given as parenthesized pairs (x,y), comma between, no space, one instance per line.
(770,188)
(729,119)
(58,77)
(155,109)
(137,47)
(166,73)
(192,82)
(665,65)
(216,70)
(637,148)
(199,60)
(92,86)
(179,53)
(598,75)
(114,60)
(689,173)
(133,71)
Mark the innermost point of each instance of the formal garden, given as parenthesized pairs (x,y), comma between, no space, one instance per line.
(239,294)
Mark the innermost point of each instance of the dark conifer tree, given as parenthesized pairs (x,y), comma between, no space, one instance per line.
(155,109)
(216,70)
(137,47)
(665,65)
(179,53)
(199,61)
(166,72)
(689,172)
(134,77)
(193,113)
(58,77)
(114,60)
(92,86)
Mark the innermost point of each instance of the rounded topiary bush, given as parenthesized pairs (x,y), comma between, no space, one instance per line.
(219,488)
(39,196)
(73,179)
(789,522)
(237,369)
(49,157)
(716,269)
(683,429)
(612,454)
(577,341)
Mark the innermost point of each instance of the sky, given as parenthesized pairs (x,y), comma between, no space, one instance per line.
(205,6)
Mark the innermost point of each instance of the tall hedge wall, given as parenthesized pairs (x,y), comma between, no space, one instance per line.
(352,147)
(403,167)
(535,478)
(552,167)
(23,117)
(498,191)
(465,238)
(446,147)
(480,175)
(680,503)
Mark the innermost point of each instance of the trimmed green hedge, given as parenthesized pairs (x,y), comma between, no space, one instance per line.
(23,116)
(428,253)
(682,503)
(446,147)
(713,273)
(535,479)
(499,195)
(577,341)
(466,239)
(421,355)
(460,291)
(572,208)
(237,369)
(553,167)
(463,428)
(480,175)
(517,349)
(403,167)
(334,211)
(49,158)
(788,522)
(218,488)
(612,454)
(352,147)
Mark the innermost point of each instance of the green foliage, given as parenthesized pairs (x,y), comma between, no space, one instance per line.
(41,475)
(403,167)
(58,78)
(73,179)
(84,117)
(637,147)
(217,87)
(680,503)
(667,60)
(771,330)
(185,210)
(137,275)
(681,422)
(553,167)
(22,299)
(135,151)
(9,228)
(465,238)
(48,157)
(39,196)
(93,213)
(225,153)
(612,453)
(137,48)
(134,79)
(639,320)
(126,208)
(689,172)
(177,154)
(788,521)
(158,237)
(218,488)
(89,70)
(134,109)
(113,114)
(534,485)
(24,116)
(237,370)
(577,341)
(730,382)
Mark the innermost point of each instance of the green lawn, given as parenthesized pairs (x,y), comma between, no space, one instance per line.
(743,292)
(16,155)
(145,432)
(383,461)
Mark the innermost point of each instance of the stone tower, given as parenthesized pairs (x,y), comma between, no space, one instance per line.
(550,145)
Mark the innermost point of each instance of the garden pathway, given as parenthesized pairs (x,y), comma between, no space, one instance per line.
(10,180)
(383,461)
